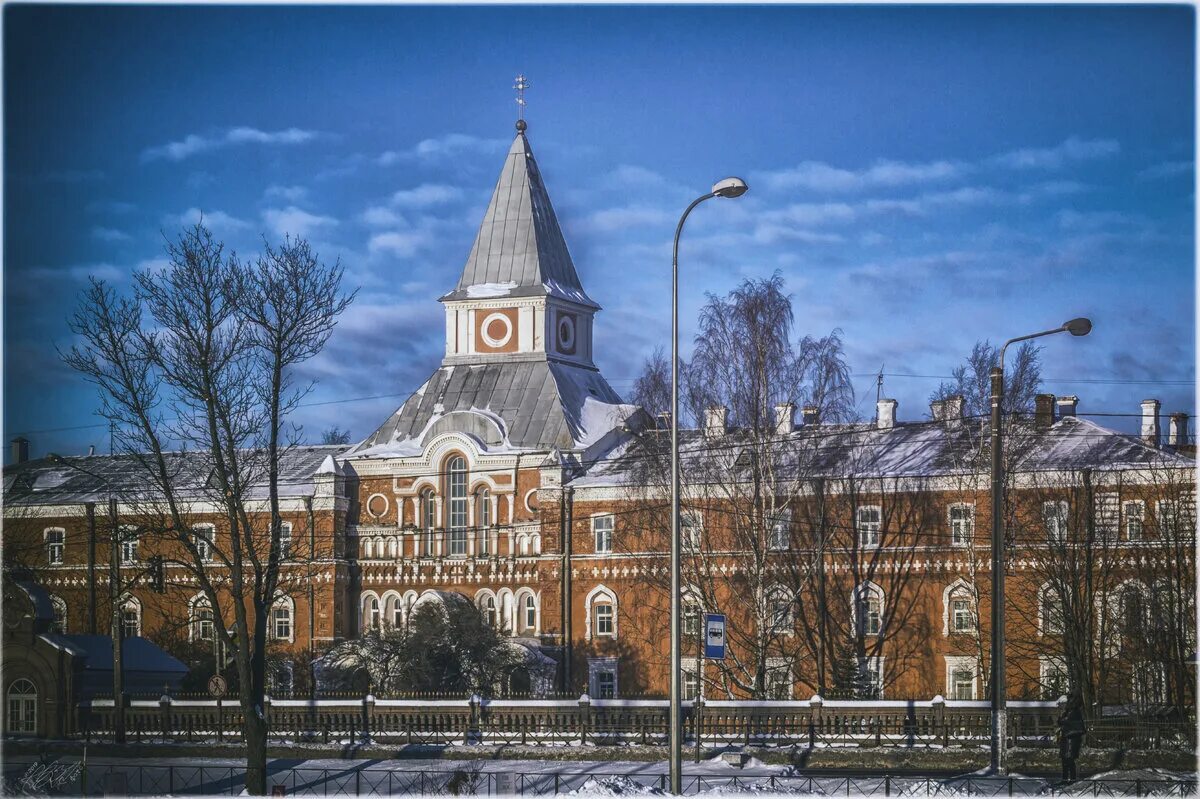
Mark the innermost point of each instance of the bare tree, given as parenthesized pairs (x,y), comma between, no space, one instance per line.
(652,389)
(335,435)
(215,341)
(972,379)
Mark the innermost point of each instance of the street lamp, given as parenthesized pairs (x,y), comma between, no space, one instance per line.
(730,188)
(1076,327)
(114,583)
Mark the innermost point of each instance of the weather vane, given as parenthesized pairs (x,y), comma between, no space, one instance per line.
(521,85)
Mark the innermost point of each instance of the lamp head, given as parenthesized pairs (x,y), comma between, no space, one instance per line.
(730,187)
(1078,327)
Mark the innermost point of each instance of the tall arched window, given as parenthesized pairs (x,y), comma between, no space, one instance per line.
(131,617)
(371,617)
(202,620)
(489,610)
(60,614)
(868,609)
(601,607)
(428,519)
(22,707)
(483,520)
(282,624)
(528,613)
(457,485)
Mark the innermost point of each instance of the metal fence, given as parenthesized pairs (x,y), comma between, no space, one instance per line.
(537,722)
(64,779)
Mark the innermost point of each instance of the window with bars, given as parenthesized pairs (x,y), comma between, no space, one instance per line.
(602,531)
(869,523)
(962,525)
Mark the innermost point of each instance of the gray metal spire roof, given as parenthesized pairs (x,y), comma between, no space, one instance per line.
(519,250)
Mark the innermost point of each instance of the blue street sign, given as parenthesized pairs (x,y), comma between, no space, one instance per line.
(714,636)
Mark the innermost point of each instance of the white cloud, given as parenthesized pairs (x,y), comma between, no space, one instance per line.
(193,143)
(449,145)
(628,176)
(812,214)
(213,220)
(291,194)
(425,195)
(1073,149)
(820,176)
(1167,169)
(109,234)
(404,245)
(611,219)
(295,222)
(379,216)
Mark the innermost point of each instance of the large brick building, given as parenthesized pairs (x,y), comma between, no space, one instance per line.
(856,563)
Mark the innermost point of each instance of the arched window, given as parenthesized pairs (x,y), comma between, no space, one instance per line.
(393,611)
(693,610)
(282,626)
(56,545)
(202,619)
(1050,611)
(204,537)
(483,520)
(601,607)
(428,508)
(59,606)
(868,609)
(780,619)
(489,610)
(528,611)
(958,608)
(371,617)
(22,707)
(131,617)
(457,485)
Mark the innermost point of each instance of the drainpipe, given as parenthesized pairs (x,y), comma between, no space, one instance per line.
(91,523)
(568,514)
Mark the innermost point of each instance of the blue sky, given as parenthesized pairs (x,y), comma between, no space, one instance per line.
(923,177)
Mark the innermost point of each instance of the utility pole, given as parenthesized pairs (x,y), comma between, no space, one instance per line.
(999,705)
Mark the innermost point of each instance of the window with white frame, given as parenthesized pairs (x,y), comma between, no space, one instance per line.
(529,613)
(779,612)
(959,612)
(1053,680)
(393,611)
(602,677)
(693,610)
(1054,516)
(962,525)
(202,620)
(281,620)
(428,506)
(22,707)
(1167,513)
(871,678)
(868,521)
(483,520)
(489,610)
(56,545)
(458,505)
(781,530)
(868,608)
(372,617)
(1050,611)
(1135,520)
(204,537)
(779,681)
(602,532)
(691,680)
(285,540)
(600,604)
(1108,516)
(604,618)
(59,606)
(961,617)
(691,530)
(131,618)
(129,546)
(961,679)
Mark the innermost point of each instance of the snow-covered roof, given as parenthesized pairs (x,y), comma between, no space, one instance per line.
(532,405)
(519,250)
(94,478)
(914,449)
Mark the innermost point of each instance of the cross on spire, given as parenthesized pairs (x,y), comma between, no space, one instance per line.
(521,85)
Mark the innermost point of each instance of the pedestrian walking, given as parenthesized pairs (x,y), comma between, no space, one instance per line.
(1071,729)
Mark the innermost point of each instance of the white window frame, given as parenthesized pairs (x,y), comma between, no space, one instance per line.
(868,531)
(691,530)
(959,589)
(204,543)
(779,536)
(777,668)
(962,531)
(196,622)
(955,664)
(600,595)
(1045,626)
(285,540)
(55,541)
(22,706)
(1134,511)
(459,498)
(129,603)
(1107,506)
(692,601)
(1052,665)
(1054,519)
(785,623)
(603,526)
(284,603)
(371,615)
(1166,513)
(875,665)
(603,665)
(689,685)
(861,596)
(129,545)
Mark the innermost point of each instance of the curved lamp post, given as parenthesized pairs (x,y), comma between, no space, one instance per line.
(730,188)
(1076,327)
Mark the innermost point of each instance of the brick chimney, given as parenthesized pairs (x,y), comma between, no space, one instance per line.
(1150,431)
(948,409)
(811,414)
(1043,411)
(714,421)
(885,414)
(1177,431)
(20,449)
(1067,406)
(785,418)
